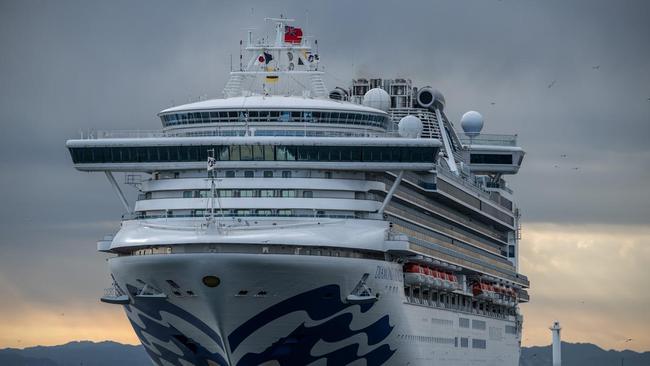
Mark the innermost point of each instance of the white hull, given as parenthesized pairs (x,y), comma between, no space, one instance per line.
(294,313)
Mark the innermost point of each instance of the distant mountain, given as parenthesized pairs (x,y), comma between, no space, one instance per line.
(111,353)
(77,354)
(579,354)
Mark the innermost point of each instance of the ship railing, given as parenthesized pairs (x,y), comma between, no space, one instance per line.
(396,236)
(113,292)
(489,140)
(101,134)
(470,182)
(124,134)
(499,185)
(217,215)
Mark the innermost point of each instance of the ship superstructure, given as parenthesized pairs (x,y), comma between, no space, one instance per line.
(286,224)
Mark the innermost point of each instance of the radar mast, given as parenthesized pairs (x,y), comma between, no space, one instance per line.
(286,65)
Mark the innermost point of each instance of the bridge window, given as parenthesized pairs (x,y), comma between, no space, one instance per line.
(150,154)
(490,159)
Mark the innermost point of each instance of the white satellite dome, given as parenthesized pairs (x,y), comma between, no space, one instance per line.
(472,123)
(410,126)
(377,98)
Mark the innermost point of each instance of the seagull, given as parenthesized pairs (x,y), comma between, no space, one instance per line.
(555,166)
(551,84)
(575,168)
(628,340)
(563,156)
(596,67)
(492,103)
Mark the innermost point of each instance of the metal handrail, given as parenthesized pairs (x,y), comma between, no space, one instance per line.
(123,134)
(135,216)
(489,139)
(480,190)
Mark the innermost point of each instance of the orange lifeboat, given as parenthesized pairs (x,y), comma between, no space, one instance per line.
(451,282)
(483,291)
(430,281)
(437,278)
(414,274)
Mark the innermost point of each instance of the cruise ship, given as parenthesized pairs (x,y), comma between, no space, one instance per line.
(291,224)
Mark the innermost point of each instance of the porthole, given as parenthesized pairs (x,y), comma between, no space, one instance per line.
(211,281)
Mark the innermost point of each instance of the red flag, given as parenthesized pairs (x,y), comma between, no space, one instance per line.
(292,34)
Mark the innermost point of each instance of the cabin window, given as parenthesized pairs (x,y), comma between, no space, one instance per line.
(266,193)
(479,343)
(287,193)
(268,174)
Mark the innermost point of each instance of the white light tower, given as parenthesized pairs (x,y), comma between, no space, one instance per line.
(557,348)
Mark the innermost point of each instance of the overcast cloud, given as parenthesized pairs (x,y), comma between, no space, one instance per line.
(78,65)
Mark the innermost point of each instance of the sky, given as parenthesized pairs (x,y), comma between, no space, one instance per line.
(569,77)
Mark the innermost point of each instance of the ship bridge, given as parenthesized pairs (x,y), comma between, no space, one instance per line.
(273,115)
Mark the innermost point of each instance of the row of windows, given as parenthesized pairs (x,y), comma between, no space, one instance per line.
(490,159)
(245,213)
(476,324)
(464,342)
(262,193)
(347,118)
(150,154)
(426,339)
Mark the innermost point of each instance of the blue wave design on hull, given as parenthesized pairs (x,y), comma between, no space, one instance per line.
(193,352)
(295,348)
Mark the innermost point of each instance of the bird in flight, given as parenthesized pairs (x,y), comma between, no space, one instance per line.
(551,84)
(492,103)
(596,67)
(628,340)
(563,156)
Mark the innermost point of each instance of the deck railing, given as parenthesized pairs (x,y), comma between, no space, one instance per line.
(489,139)
(124,134)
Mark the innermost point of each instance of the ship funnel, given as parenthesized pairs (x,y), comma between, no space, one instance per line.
(430,98)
